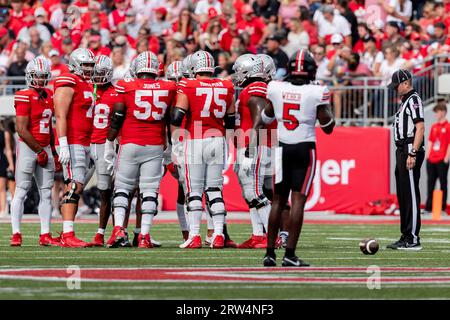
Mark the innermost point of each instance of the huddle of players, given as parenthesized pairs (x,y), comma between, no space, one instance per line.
(178,124)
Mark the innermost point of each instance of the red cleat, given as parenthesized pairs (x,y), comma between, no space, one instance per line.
(255,242)
(99,240)
(230,243)
(218,241)
(192,243)
(47,240)
(144,241)
(68,240)
(118,236)
(16,240)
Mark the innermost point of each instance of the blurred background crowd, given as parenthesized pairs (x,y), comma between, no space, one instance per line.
(347,37)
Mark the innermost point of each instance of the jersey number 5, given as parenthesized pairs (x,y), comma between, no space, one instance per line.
(159,106)
(290,121)
(213,95)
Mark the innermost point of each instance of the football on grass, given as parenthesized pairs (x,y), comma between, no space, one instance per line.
(369,246)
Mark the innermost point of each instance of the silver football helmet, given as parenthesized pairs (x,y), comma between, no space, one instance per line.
(146,62)
(187,67)
(268,66)
(38,73)
(103,70)
(174,71)
(131,73)
(247,66)
(82,61)
(202,61)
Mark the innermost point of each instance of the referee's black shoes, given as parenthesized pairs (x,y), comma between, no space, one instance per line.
(411,247)
(269,261)
(397,244)
(404,245)
(293,262)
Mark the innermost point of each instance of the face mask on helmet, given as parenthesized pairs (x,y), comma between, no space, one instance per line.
(245,67)
(37,73)
(103,70)
(87,69)
(38,80)
(82,62)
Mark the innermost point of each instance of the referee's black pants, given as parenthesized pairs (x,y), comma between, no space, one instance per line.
(436,171)
(408,193)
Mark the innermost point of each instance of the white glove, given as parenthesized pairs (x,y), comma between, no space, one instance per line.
(64,153)
(177,151)
(247,164)
(109,155)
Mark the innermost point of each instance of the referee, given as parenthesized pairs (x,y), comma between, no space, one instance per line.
(409,131)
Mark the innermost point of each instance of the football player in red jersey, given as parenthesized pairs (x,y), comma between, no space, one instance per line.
(105,96)
(74,104)
(249,74)
(208,106)
(34,111)
(174,73)
(141,117)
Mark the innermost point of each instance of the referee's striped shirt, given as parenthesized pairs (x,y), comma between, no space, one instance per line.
(409,113)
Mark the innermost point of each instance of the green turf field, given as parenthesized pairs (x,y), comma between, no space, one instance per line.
(322,245)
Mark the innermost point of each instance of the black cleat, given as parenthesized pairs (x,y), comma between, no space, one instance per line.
(135,239)
(269,261)
(293,262)
(411,246)
(397,244)
(125,242)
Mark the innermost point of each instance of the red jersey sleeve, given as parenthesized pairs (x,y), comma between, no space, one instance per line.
(65,80)
(120,86)
(258,89)
(22,103)
(183,86)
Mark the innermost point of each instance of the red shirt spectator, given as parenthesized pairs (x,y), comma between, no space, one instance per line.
(94,12)
(50,5)
(251,24)
(226,35)
(82,4)
(439,140)
(95,44)
(118,15)
(64,32)
(19,17)
(311,29)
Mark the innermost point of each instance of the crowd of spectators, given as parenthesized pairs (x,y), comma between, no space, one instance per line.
(347,37)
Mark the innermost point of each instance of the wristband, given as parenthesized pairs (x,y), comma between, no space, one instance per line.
(412,155)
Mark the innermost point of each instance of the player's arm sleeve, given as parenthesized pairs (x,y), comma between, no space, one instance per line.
(324,113)
(323,97)
(65,80)
(22,104)
(416,109)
